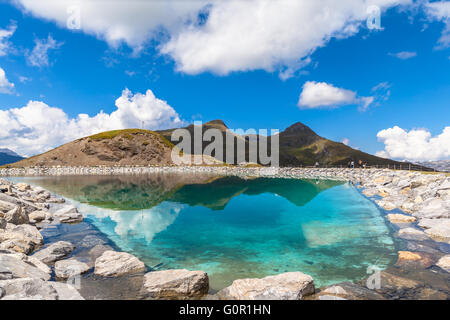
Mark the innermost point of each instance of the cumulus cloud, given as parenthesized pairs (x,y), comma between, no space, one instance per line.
(39,56)
(219,36)
(404,55)
(417,144)
(5,34)
(131,22)
(37,127)
(346,141)
(5,86)
(323,95)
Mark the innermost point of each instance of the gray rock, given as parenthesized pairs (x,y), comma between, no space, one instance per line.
(16,266)
(68,214)
(2,223)
(71,267)
(175,284)
(285,286)
(54,252)
(17,216)
(37,289)
(30,232)
(116,264)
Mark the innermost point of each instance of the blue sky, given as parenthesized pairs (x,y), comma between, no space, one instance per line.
(88,70)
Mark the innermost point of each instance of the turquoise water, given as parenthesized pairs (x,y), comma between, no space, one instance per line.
(234,228)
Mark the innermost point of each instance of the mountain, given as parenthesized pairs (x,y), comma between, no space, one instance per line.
(8,156)
(121,147)
(440,165)
(299,146)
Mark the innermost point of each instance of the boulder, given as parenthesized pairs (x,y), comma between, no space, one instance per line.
(444,263)
(22,187)
(69,214)
(436,228)
(350,291)
(19,266)
(16,241)
(116,264)
(38,216)
(175,284)
(37,289)
(400,218)
(285,286)
(30,232)
(17,216)
(54,252)
(65,269)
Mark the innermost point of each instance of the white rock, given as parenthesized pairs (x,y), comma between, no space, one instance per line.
(116,264)
(71,267)
(286,286)
(175,284)
(37,216)
(69,214)
(16,266)
(400,218)
(37,289)
(30,232)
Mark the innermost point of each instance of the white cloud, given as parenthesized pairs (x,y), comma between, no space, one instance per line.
(417,144)
(233,35)
(5,86)
(404,55)
(440,10)
(264,34)
(5,34)
(132,22)
(24,79)
(323,95)
(346,141)
(37,127)
(39,56)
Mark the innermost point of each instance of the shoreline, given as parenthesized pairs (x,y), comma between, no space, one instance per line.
(422,224)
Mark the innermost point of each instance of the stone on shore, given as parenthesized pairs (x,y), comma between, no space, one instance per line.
(71,267)
(38,216)
(37,289)
(444,263)
(68,214)
(175,284)
(30,232)
(19,266)
(17,216)
(400,218)
(436,228)
(3,224)
(116,264)
(54,252)
(285,286)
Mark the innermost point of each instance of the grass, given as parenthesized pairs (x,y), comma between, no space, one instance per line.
(126,133)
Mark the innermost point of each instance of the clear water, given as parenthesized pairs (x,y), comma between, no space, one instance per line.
(234,228)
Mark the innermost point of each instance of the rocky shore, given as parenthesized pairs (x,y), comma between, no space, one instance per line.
(417,207)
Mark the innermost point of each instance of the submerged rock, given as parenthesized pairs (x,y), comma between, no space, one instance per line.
(400,218)
(175,284)
(54,252)
(412,234)
(414,259)
(285,286)
(116,264)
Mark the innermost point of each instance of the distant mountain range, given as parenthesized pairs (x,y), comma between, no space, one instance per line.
(439,165)
(8,156)
(299,146)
